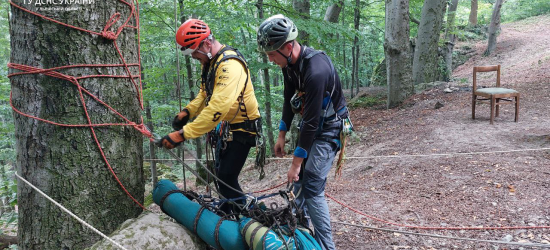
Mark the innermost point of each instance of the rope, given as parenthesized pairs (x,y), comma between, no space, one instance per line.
(70,213)
(53,72)
(452,154)
(271,188)
(207,171)
(434,228)
(404,156)
(447,237)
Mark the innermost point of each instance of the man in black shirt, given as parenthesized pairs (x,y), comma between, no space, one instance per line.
(313,89)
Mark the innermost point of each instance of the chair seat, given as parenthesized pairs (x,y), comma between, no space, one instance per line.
(495,91)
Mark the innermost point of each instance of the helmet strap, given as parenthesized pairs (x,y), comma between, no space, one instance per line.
(289,57)
(208,54)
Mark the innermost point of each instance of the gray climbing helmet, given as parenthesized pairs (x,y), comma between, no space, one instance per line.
(274,32)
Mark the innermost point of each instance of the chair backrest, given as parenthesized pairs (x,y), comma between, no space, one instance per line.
(486,69)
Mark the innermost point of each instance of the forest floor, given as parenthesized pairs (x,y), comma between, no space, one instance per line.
(415,186)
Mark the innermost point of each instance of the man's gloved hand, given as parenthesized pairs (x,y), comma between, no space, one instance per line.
(180,119)
(171,140)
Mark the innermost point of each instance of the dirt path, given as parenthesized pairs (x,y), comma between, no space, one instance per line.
(489,190)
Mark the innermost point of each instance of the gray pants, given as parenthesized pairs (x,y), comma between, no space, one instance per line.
(312,194)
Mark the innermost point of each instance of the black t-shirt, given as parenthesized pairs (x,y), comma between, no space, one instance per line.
(317,81)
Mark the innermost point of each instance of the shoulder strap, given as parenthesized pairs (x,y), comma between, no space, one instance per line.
(209,81)
(211,75)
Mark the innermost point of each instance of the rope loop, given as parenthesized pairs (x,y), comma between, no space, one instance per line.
(53,72)
(106,33)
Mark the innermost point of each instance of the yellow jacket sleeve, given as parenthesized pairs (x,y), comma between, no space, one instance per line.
(196,105)
(229,81)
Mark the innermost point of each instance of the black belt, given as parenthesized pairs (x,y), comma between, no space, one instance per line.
(248,125)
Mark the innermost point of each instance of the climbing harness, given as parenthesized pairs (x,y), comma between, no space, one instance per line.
(224,132)
(329,113)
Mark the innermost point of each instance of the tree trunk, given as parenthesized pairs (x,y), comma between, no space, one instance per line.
(425,61)
(472,21)
(267,91)
(198,144)
(152,146)
(302,7)
(66,162)
(346,77)
(450,37)
(333,11)
(398,52)
(494,28)
(355,51)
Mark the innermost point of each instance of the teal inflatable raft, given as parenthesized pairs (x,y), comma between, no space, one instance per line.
(226,234)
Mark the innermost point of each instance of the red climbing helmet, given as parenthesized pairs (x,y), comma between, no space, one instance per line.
(190,34)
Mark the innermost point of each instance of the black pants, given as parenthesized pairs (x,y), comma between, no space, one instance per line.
(231,162)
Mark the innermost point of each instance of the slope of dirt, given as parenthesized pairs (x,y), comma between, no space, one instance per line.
(458,190)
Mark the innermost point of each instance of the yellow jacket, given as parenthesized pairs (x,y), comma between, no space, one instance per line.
(224,103)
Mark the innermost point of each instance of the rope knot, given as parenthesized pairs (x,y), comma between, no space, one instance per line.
(106,32)
(143,130)
(109,35)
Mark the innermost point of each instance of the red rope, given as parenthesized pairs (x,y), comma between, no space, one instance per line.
(271,188)
(434,228)
(53,72)
(413,226)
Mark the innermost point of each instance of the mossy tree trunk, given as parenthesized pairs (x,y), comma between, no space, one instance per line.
(65,162)
(267,91)
(302,7)
(425,61)
(472,20)
(494,28)
(450,40)
(398,52)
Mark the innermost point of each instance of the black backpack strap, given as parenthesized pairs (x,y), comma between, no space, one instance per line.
(211,74)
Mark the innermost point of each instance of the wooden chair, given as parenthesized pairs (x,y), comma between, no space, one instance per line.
(494,96)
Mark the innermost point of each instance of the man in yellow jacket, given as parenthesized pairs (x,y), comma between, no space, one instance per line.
(226,103)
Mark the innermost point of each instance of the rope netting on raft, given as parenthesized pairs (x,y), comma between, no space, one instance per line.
(108,34)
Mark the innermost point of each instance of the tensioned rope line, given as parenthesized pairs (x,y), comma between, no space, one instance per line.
(70,213)
(434,228)
(412,226)
(447,237)
(53,72)
(408,155)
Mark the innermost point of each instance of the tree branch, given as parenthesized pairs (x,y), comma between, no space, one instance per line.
(414,20)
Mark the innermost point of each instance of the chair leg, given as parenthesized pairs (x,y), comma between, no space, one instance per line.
(497,106)
(517,109)
(474,107)
(492,109)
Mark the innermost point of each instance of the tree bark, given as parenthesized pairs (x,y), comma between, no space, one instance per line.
(302,7)
(398,52)
(425,61)
(65,162)
(355,51)
(150,125)
(267,90)
(450,37)
(493,28)
(152,146)
(189,69)
(333,11)
(472,21)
